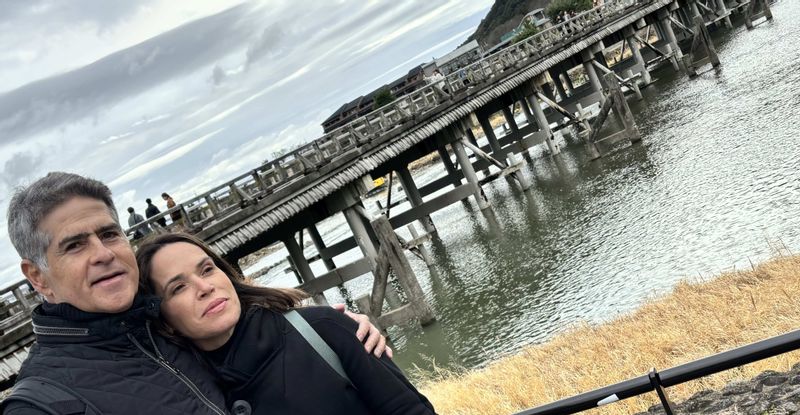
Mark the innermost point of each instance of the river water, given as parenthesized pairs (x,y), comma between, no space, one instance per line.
(713,185)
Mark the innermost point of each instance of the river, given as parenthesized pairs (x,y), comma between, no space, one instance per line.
(713,186)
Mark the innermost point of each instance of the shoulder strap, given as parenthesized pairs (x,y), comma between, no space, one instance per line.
(50,396)
(312,337)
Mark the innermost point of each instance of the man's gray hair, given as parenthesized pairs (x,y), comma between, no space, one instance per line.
(31,204)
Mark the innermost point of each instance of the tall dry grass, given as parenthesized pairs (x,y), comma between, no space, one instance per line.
(695,320)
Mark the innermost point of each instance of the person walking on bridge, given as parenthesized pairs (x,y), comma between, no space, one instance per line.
(134,219)
(176,215)
(152,210)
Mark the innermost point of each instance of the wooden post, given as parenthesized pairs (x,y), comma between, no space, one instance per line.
(471,138)
(630,38)
(301,263)
(488,131)
(722,9)
(319,244)
(360,234)
(559,86)
(622,109)
(591,73)
(397,261)
(666,25)
(26,304)
(414,197)
(512,158)
(452,172)
(469,174)
(544,125)
(423,250)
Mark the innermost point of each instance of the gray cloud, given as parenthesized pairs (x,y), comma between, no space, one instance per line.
(102,13)
(217,75)
(19,167)
(266,45)
(83,92)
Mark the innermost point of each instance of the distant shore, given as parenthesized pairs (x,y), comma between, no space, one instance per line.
(695,320)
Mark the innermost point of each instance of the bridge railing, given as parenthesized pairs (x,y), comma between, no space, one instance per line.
(225,199)
(656,381)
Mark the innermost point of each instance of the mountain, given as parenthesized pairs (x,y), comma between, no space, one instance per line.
(504,16)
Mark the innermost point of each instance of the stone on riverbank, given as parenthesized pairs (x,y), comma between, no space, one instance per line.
(771,392)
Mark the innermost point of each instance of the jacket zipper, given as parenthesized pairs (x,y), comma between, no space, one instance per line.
(163,363)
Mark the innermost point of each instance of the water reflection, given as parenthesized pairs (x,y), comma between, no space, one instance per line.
(713,180)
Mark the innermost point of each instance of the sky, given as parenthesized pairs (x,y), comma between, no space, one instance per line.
(160,96)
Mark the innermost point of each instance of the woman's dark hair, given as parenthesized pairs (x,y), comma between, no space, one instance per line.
(278,299)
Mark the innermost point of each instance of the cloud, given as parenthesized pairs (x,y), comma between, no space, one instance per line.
(152,165)
(18,167)
(266,45)
(84,92)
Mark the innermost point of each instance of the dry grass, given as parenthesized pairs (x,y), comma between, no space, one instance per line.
(695,320)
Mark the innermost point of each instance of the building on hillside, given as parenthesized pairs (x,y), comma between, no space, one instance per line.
(459,58)
(536,18)
(363,105)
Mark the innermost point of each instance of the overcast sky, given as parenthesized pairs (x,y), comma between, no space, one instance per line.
(155,95)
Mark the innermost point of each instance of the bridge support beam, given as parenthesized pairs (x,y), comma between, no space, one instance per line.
(319,244)
(588,66)
(544,125)
(630,38)
(672,40)
(361,235)
(513,160)
(469,174)
(722,9)
(557,82)
(414,197)
(449,167)
(301,265)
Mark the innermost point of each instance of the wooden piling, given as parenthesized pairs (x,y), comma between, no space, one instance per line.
(469,174)
(301,265)
(414,197)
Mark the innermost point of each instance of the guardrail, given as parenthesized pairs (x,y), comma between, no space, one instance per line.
(656,381)
(344,142)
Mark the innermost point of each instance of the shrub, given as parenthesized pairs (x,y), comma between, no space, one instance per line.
(557,6)
(527,31)
(383,97)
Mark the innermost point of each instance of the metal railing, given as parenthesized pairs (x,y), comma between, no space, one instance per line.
(344,142)
(656,381)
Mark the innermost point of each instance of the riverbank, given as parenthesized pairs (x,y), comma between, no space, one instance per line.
(695,320)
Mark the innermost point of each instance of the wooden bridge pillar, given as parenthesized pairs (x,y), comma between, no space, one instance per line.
(557,82)
(544,125)
(414,197)
(568,82)
(630,38)
(301,265)
(513,159)
(360,234)
(488,131)
(588,65)
(722,9)
(319,244)
(449,167)
(695,10)
(469,174)
(672,40)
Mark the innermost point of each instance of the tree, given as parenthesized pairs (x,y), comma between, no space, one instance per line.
(383,97)
(528,30)
(570,6)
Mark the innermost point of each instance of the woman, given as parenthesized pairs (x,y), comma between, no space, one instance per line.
(263,362)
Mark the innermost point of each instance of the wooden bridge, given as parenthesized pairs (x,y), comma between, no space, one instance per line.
(283,199)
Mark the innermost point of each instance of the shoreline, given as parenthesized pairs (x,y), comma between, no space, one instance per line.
(694,320)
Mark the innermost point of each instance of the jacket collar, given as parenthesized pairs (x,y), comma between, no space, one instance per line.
(63,323)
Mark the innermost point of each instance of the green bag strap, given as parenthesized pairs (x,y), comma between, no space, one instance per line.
(312,337)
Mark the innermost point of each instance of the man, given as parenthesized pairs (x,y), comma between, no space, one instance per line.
(152,210)
(93,333)
(135,218)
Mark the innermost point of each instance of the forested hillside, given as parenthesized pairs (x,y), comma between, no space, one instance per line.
(504,16)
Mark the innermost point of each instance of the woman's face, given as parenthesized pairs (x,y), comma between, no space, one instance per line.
(198,299)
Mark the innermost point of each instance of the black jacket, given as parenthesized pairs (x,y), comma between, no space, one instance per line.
(271,366)
(117,363)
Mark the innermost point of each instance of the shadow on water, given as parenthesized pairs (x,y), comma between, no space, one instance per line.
(713,180)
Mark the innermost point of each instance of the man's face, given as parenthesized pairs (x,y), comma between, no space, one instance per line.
(91,263)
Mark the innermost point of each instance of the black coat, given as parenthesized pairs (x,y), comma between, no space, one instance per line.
(271,366)
(110,360)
